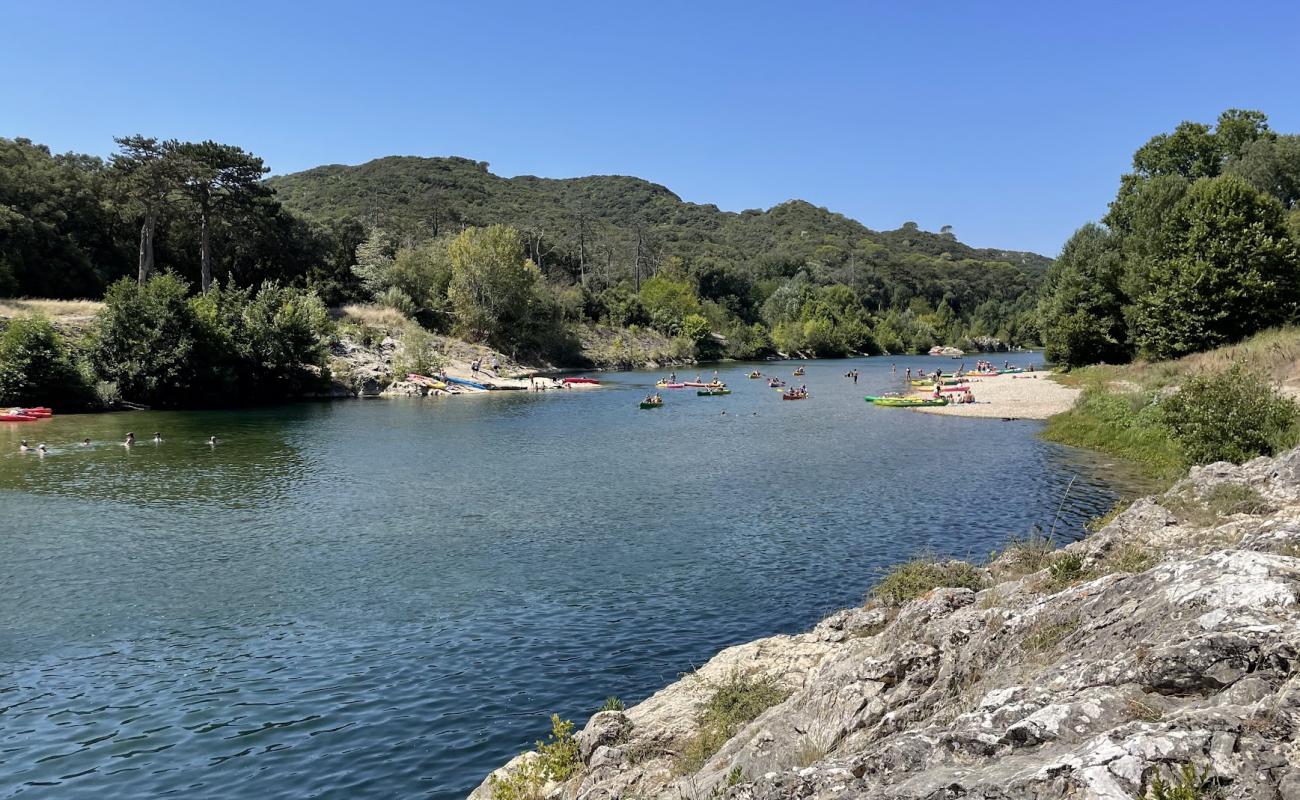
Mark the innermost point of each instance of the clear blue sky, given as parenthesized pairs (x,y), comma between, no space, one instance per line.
(1009,121)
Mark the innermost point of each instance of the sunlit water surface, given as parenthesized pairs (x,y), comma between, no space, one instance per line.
(386,598)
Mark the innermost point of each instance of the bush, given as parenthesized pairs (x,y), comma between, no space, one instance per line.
(419,354)
(557,759)
(1232,416)
(146,340)
(612,704)
(226,346)
(914,578)
(37,367)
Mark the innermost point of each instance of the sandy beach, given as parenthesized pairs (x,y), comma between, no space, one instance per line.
(1022,396)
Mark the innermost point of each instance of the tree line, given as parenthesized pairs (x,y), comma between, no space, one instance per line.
(1200,248)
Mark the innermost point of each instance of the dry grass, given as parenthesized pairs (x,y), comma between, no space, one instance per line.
(55,310)
(1274,354)
(374,315)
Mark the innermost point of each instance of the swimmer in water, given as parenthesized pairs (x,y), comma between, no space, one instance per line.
(157,437)
(85,442)
(212,441)
(40,448)
(130,440)
(22,446)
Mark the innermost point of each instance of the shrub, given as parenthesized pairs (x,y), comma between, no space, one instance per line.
(612,704)
(398,300)
(559,753)
(738,700)
(419,354)
(1186,783)
(557,759)
(1232,416)
(36,366)
(914,578)
(1064,569)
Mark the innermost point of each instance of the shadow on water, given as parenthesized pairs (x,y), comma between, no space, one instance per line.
(388,597)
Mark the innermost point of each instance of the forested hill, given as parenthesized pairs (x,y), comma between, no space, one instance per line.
(612,226)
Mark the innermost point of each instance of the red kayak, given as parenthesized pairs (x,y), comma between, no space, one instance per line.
(955,389)
(582,380)
(17,418)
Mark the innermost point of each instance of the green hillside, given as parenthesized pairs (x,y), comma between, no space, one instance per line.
(601,230)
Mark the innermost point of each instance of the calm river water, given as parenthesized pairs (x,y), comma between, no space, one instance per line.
(386,598)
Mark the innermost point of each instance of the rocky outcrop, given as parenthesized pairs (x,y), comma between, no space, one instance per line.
(1164,646)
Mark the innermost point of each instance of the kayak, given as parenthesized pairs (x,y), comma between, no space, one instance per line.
(945,382)
(962,388)
(798,371)
(712,392)
(18,418)
(795,396)
(426,381)
(666,385)
(582,380)
(904,402)
(463,382)
(644,404)
(755,374)
(698,385)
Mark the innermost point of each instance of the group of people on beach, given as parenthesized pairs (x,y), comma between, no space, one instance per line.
(129,441)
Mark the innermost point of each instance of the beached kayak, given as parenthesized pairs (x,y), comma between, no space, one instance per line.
(463,382)
(904,402)
(582,380)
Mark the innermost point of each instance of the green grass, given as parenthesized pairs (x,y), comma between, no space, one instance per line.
(612,704)
(912,579)
(735,702)
(1125,424)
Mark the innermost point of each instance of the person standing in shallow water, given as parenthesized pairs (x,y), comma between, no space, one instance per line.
(130,439)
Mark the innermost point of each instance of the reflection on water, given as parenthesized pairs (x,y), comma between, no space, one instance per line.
(387,597)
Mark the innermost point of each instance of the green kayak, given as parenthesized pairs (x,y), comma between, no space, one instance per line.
(711,392)
(650,405)
(905,402)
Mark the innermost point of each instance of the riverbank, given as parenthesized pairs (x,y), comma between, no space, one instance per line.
(1017,396)
(1161,647)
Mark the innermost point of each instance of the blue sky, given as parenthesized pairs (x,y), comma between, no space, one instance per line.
(1009,121)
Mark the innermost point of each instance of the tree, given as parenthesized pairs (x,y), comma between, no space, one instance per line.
(491,286)
(1081,311)
(36,365)
(215,177)
(146,340)
(1230,269)
(147,175)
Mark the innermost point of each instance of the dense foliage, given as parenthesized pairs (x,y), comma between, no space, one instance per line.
(1201,248)
(157,344)
(36,363)
(1230,416)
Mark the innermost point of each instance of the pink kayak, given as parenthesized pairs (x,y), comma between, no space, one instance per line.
(670,386)
(581,380)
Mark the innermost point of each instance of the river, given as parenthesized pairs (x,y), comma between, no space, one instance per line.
(387,598)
